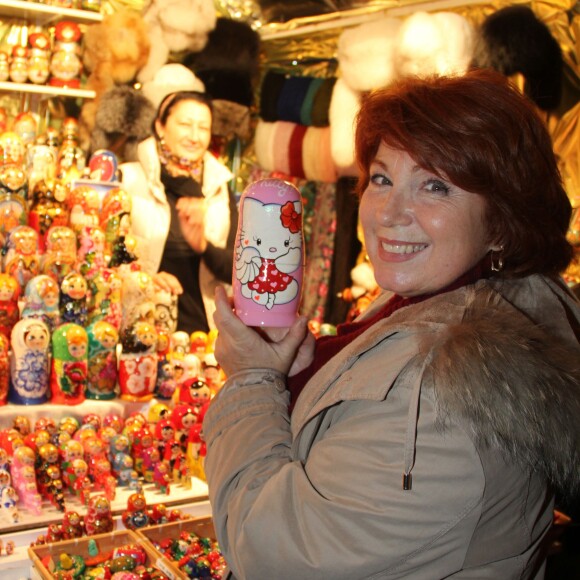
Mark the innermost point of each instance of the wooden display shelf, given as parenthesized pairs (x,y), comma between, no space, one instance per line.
(43,14)
(46,90)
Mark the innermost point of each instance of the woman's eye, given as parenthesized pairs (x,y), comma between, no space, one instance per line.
(380,179)
(437,186)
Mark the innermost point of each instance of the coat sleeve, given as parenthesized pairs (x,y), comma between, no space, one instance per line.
(333,505)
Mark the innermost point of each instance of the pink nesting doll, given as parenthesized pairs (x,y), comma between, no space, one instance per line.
(29,362)
(9,294)
(138,362)
(99,518)
(4,368)
(68,377)
(102,362)
(61,252)
(22,259)
(91,252)
(268,254)
(24,478)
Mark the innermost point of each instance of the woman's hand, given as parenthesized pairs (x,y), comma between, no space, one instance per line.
(239,347)
(168,282)
(191,213)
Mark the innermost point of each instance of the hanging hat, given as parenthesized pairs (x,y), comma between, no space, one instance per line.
(171,78)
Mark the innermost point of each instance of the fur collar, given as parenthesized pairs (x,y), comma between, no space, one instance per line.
(515,383)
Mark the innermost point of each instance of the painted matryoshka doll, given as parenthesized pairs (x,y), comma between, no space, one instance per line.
(22,259)
(166,311)
(138,293)
(9,294)
(29,362)
(115,217)
(13,195)
(24,479)
(91,252)
(61,252)
(268,254)
(138,362)
(47,208)
(12,148)
(165,384)
(84,204)
(41,300)
(4,368)
(68,377)
(102,363)
(105,298)
(74,299)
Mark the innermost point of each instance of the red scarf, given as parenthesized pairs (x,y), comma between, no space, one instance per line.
(328,346)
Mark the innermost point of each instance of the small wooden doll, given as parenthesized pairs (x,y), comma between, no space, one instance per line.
(69,364)
(161,477)
(135,516)
(29,362)
(24,479)
(72,525)
(9,294)
(41,300)
(102,361)
(105,298)
(82,484)
(99,518)
(22,259)
(115,217)
(72,450)
(61,252)
(74,299)
(138,362)
(47,208)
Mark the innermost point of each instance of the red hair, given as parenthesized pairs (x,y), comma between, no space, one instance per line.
(485,137)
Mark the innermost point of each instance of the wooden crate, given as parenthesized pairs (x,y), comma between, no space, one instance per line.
(79,547)
(203,527)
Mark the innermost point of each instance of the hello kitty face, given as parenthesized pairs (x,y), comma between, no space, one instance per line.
(263,229)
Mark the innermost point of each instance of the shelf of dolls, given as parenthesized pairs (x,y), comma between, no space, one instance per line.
(43,14)
(46,90)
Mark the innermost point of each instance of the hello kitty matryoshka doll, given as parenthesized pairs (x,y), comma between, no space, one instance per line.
(68,377)
(29,362)
(138,362)
(268,254)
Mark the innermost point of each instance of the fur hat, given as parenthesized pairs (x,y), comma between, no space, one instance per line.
(123,119)
(513,40)
(175,26)
(344,106)
(171,78)
(365,54)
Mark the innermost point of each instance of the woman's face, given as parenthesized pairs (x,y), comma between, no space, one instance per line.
(421,231)
(187,131)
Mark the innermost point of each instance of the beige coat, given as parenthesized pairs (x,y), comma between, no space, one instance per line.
(464,391)
(150,214)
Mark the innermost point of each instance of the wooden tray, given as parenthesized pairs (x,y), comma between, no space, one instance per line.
(79,547)
(203,527)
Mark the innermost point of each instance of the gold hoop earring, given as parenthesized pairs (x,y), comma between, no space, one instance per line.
(497,260)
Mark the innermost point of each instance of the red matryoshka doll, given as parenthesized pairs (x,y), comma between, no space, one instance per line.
(69,364)
(4,368)
(74,299)
(22,259)
(41,300)
(13,195)
(84,204)
(65,63)
(29,363)
(9,294)
(102,362)
(138,362)
(115,217)
(135,516)
(198,343)
(195,392)
(61,252)
(183,417)
(47,208)
(99,518)
(91,252)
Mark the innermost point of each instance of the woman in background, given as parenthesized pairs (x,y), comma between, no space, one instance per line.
(427,438)
(183,216)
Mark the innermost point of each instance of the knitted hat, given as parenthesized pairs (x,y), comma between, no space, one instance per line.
(171,78)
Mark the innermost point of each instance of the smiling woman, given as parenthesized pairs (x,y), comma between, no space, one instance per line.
(427,438)
(183,215)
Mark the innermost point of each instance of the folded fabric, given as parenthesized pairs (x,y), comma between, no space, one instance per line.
(269,95)
(291,98)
